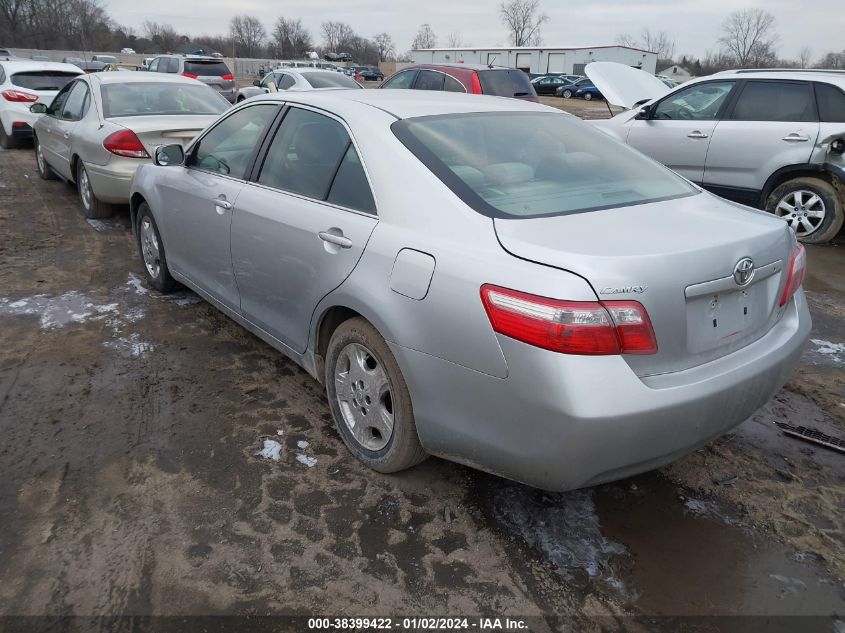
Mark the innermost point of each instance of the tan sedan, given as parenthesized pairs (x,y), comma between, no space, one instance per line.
(101,127)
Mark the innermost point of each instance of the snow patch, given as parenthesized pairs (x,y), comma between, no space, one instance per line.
(832,351)
(131,345)
(135,284)
(272,450)
(302,444)
(309,461)
(57,311)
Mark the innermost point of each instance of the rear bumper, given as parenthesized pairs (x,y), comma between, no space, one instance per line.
(112,182)
(561,422)
(17,113)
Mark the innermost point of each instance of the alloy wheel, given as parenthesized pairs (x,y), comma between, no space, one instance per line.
(803,210)
(85,188)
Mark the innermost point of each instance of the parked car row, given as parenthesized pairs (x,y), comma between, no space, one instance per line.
(470,309)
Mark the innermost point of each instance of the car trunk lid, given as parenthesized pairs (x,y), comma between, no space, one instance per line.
(164,130)
(678,259)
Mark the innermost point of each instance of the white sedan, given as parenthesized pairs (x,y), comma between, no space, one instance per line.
(22,83)
(101,127)
(295,79)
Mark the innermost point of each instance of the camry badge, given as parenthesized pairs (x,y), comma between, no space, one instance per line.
(622,290)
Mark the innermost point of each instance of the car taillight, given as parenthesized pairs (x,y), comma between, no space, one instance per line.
(570,327)
(229,77)
(190,75)
(794,274)
(125,143)
(19,96)
(476,84)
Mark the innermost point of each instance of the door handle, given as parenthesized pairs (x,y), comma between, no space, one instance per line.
(697,134)
(67,134)
(795,138)
(222,204)
(337,240)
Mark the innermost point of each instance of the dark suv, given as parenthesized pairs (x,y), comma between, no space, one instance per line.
(472,78)
(370,73)
(209,70)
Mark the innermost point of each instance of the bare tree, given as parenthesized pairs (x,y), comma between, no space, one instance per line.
(425,38)
(290,38)
(454,40)
(335,34)
(248,34)
(385,46)
(659,42)
(834,61)
(805,57)
(523,19)
(749,37)
(163,36)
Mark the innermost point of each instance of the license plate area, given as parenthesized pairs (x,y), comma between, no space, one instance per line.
(725,317)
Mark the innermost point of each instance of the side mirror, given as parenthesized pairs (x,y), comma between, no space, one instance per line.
(644,113)
(168,155)
(38,108)
(256,82)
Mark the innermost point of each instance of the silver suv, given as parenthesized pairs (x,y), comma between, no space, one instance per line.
(770,139)
(208,70)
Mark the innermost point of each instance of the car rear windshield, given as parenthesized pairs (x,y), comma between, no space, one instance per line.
(535,164)
(506,83)
(330,80)
(43,79)
(143,99)
(206,68)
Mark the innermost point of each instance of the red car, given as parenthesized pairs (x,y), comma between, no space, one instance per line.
(471,78)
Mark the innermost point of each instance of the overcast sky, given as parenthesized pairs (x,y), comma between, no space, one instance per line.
(694,24)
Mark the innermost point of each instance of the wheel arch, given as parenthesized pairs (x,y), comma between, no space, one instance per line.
(806,170)
(135,201)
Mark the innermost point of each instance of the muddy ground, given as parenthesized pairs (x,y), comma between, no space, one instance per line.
(130,482)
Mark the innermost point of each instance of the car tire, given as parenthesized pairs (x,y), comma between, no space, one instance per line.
(6,141)
(588,96)
(151,252)
(566,94)
(372,390)
(800,196)
(92,208)
(44,170)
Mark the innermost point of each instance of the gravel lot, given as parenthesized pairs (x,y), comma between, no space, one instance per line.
(131,484)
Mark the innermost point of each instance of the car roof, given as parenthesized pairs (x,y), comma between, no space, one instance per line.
(23,65)
(405,104)
(142,77)
(460,66)
(785,74)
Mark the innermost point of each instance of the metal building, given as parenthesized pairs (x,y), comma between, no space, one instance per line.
(540,59)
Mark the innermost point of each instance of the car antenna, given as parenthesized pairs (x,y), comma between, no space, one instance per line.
(490,61)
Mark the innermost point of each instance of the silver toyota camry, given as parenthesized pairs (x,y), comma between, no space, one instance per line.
(485,280)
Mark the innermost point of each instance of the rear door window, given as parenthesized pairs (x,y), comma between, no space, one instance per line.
(402,80)
(831,102)
(305,154)
(775,101)
(505,83)
(453,85)
(350,187)
(206,68)
(43,79)
(429,80)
